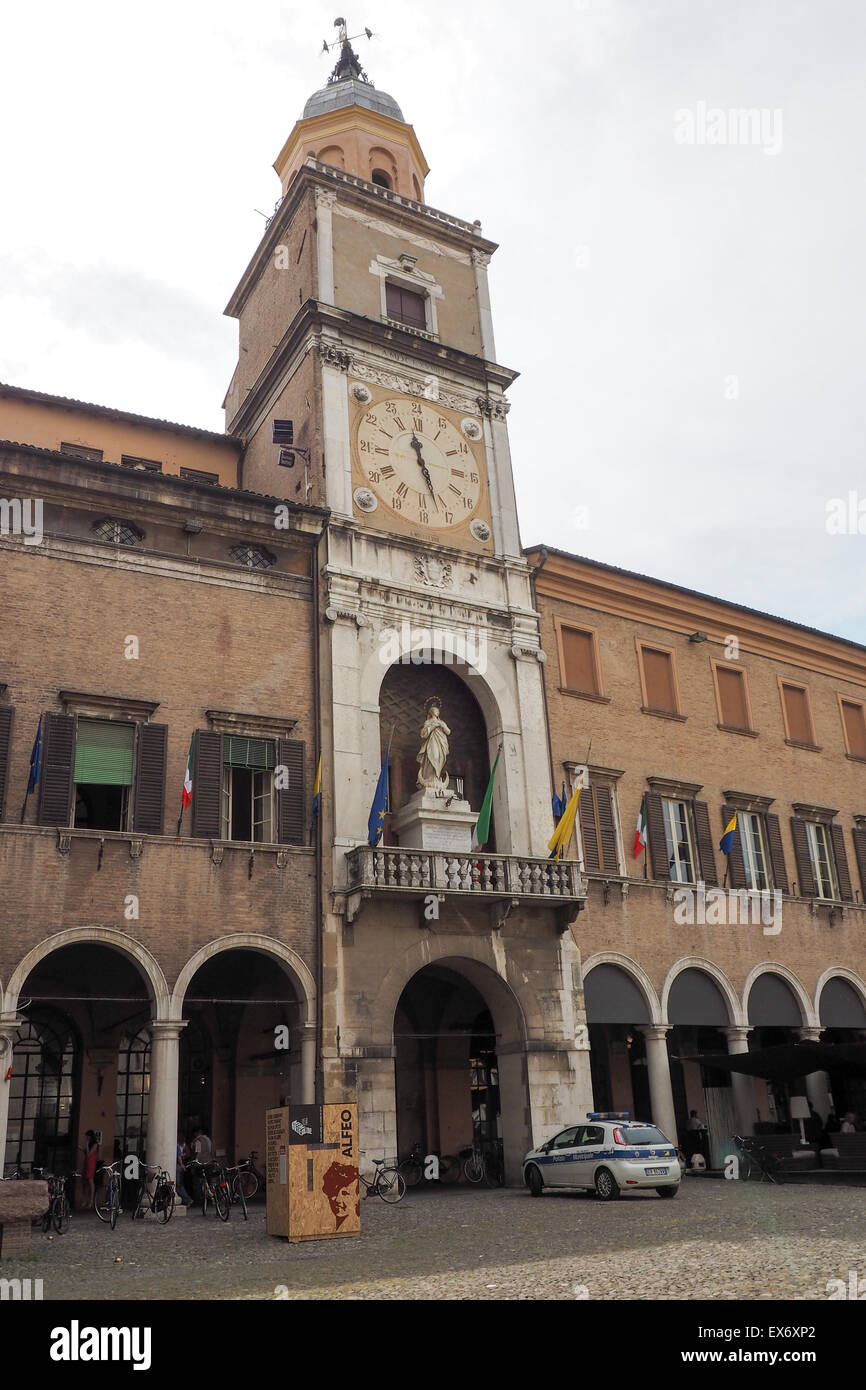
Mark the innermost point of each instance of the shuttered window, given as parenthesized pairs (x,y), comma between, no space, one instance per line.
(406,306)
(5,741)
(733,704)
(821,860)
(598,835)
(658,672)
(798,717)
(55,782)
(248,752)
(236,794)
(579,667)
(859,835)
(150,779)
(104,753)
(855,728)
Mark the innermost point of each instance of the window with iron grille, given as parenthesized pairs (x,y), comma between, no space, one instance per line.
(255,557)
(117,532)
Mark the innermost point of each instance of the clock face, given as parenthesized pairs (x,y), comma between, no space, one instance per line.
(419,463)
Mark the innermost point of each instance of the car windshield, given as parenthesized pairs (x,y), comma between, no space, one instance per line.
(644,1134)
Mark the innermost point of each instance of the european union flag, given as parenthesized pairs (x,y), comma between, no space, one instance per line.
(376,823)
(727,839)
(36,760)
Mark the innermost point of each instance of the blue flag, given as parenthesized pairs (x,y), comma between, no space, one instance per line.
(376,823)
(727,840)
(36,760)
(559,805)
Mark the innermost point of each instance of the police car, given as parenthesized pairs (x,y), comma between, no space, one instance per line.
(609,1153)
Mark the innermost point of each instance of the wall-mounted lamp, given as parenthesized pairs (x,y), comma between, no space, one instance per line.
(698,637)
(192,526)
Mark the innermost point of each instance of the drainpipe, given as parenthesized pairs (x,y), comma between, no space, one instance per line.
(320,827)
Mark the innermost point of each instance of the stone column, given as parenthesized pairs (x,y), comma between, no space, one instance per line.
(325,200)
(480,261)
(817,1082)
(162,1110)
(9,1025)
(659,1072)
(741,1084)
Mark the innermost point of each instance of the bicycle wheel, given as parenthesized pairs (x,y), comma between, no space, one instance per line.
(493,1174)
(46,1219)
(140,1205)
(391,1186)
(474,1168)
(238,1194)
(114,1202)
(221,1199)
(411,1171)
(163,1202)
(60,1214)
(100,1201)
(248,1183)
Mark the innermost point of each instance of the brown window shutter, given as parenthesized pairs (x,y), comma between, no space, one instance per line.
(58,760)
(589,830)
(207,781)
(578,659)
(655,829)
(732,698)
(843,877)
(6,713)
(150,779)
(736,864)
(860,852)
(808,886)
(797,710)
(777,854)
(855,728)
(704,837)
(291,802)
(604,819)
(659,680)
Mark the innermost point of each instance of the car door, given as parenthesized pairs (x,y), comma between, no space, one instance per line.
(559,1164)
(590,1146)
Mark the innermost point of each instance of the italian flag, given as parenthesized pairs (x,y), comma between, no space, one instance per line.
(481,833)
(186,794)
(640,829)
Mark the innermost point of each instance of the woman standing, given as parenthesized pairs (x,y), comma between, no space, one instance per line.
(88,1172)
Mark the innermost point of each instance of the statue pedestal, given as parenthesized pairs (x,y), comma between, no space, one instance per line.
(435,823)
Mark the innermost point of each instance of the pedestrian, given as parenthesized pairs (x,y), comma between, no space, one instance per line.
(849,1124)
(202,1147)
(180,1173)
(88,1171)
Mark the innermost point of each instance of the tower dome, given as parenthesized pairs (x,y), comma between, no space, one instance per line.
(349,125)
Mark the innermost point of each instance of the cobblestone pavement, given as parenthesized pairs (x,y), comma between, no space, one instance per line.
(723,1240)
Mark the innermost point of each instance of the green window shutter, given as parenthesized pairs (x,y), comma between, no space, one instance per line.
(104,752)
(256,753)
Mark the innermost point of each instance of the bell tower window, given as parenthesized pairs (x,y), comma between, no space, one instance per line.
(406,306)
(381,178)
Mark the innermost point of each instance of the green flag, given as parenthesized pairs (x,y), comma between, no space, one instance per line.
(481,833)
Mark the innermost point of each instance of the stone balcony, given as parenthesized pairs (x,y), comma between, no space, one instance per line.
(501,880)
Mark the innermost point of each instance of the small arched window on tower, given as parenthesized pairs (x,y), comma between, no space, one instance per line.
(405,305)
(381,178)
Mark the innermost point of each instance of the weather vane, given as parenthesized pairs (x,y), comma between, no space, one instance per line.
(343,36)
(348,64)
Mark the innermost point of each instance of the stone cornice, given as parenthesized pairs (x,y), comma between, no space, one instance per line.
(573,580)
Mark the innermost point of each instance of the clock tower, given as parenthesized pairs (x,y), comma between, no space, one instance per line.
(451,1004)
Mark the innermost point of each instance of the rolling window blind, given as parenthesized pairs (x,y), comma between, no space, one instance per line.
(104,752)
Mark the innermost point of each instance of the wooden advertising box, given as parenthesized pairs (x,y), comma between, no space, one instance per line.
(313,1187)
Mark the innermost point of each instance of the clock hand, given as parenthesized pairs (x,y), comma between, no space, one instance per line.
(415,444)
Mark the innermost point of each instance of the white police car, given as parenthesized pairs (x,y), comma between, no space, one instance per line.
(608,1152)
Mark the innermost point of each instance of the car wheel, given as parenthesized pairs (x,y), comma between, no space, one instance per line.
(670,1191)
(606,1185)
(534,1181)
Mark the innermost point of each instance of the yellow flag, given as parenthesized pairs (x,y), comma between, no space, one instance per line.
(559,840)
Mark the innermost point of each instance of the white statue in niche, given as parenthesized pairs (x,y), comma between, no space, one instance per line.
(433,754)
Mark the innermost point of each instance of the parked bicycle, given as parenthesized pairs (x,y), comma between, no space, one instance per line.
(212,1186)
(483,1163)
(156,1193)
(413,1168)
(106,1200)
(242,1183)
(387,1183)
(58,1210)
(756,1159)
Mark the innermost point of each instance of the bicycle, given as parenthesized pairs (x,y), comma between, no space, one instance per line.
(247,1176)
(239,1179)
(411,1169)
(106,1200)
(213,1188)
(58,1210)
(387,1183)
(160,1201)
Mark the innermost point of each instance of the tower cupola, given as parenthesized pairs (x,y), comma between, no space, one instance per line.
(351,125)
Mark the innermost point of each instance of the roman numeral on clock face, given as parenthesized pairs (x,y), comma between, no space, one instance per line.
(455,472)
(380,450)
(402,490)
(387,470)
(455,490)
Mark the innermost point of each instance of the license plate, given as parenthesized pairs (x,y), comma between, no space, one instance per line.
(656,1172)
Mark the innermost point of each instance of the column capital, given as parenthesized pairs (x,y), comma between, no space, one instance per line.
(655,1032)
(737,1032)
(812,1035)
(167,1028)
(8,1028)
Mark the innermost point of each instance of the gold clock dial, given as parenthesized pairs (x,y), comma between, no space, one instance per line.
(418,463)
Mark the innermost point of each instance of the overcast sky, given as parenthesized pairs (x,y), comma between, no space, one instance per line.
(688,317)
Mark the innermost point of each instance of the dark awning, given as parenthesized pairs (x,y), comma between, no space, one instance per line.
(790,1061)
